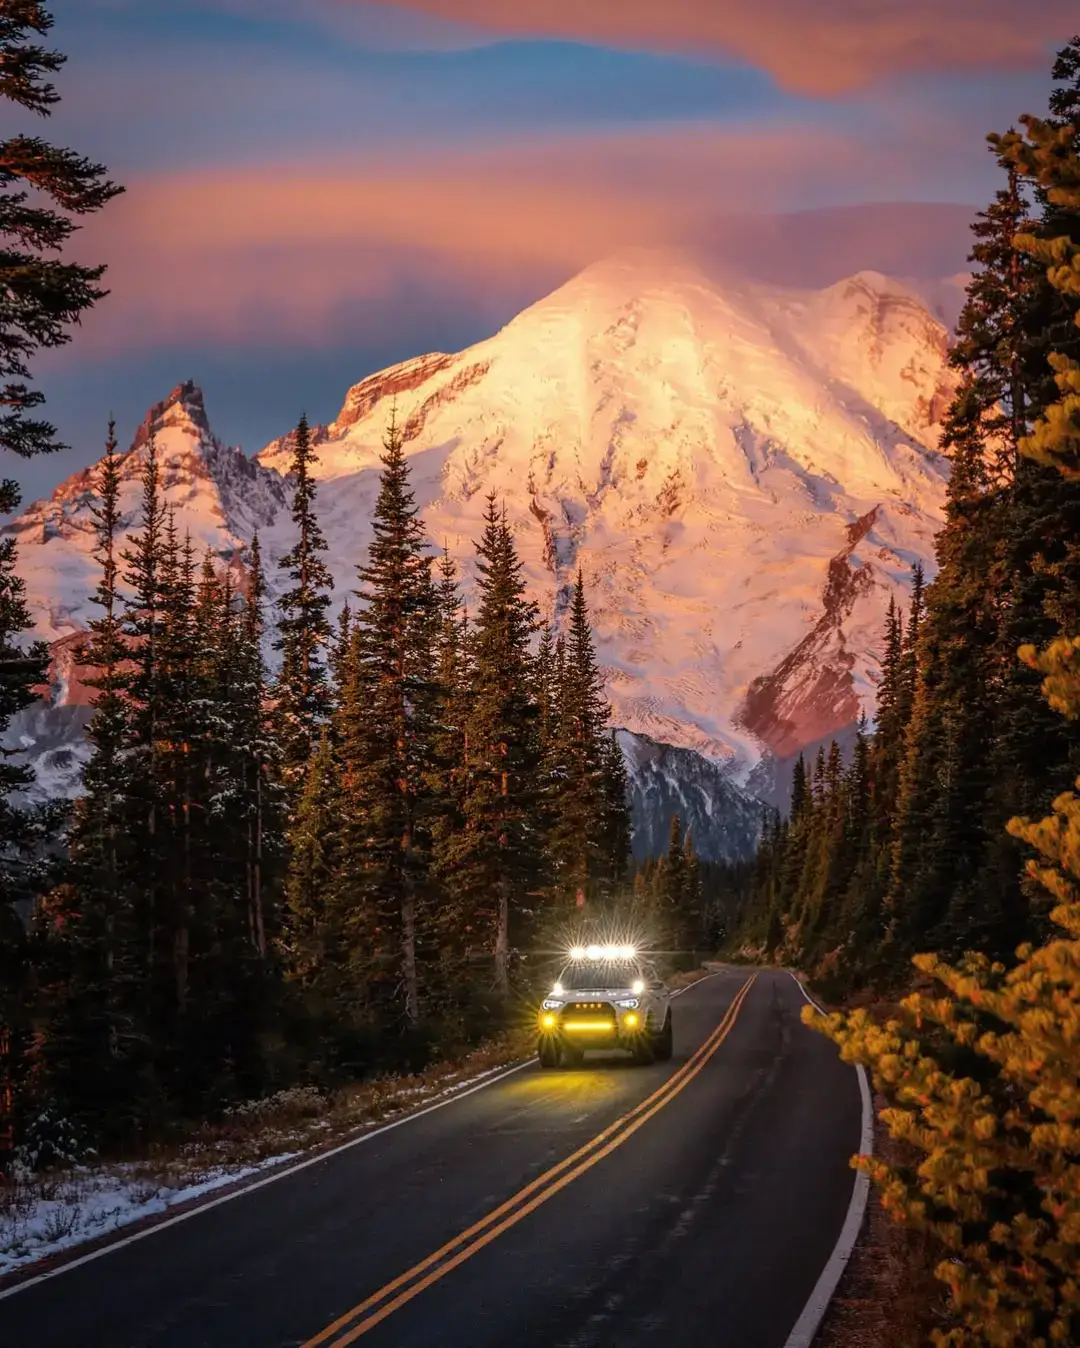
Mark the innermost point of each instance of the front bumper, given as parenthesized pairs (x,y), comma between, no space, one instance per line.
(593,1025)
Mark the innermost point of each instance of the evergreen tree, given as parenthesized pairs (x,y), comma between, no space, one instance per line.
(258,802)
(615,830)
(339,655)
(671,889)
(22,667)
(41,189)
(581,795)
(693,914)
(448,779)
(303,687)
(496,857)
(314,943)
(387,717)
(94,1035)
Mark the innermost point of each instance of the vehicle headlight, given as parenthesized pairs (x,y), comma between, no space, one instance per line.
(630,1020)
(550,1004)
(547,1020)
(628,1003)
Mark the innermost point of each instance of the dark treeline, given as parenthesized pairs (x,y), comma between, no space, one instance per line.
(904,847)
(682,901)
(315,874)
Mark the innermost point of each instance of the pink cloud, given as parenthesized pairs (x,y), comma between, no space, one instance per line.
(814,46)
(303,255)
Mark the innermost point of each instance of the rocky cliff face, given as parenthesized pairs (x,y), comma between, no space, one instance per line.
(745,475)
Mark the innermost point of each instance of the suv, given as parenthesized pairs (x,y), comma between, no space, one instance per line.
(606,997)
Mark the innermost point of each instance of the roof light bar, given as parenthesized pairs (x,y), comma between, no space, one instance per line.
(603,952)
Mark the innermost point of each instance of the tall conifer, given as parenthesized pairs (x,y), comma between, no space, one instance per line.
(388,710)
(302,689)
(496,858)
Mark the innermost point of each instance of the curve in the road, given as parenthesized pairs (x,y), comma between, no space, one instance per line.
(369,1313)
(709,1229)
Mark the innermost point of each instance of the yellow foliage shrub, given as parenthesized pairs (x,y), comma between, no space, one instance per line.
(983,1082)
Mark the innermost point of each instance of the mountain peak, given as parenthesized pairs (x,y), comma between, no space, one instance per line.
(220,495)
(184,409)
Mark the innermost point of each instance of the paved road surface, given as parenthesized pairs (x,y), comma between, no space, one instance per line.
(688,1203)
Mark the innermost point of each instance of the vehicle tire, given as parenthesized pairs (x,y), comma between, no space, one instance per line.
(644,1050)
(664,1044)
(547,1053)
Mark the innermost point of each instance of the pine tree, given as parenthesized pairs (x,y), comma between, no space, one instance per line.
(303,687)
(671,890)
(616,828)
(496,858)
(889,739)
(313,941)
(387,714)
(94,1036)
(579,800)
(448,777)
(259,802)
(693,913)
(22,667)
(42,295)
(339,655)
(146,822)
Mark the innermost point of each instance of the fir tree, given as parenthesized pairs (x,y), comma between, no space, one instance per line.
(387,716)
(496,857)
(615,828)
(314,944)
(580,800)
(41,189)
(693,913)
(303,687)
(671,889)
(94,1039)
(22,667)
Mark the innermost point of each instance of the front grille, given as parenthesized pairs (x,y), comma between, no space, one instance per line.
(602,1013)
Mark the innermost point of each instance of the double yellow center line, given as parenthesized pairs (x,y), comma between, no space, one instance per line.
(371,1312)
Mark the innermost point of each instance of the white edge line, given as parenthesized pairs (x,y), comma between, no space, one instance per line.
(245,1189)
(284,1173)
(802,1336)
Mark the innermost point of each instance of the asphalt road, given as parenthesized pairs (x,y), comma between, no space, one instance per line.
(691,1202)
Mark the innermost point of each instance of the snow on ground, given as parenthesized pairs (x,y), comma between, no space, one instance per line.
(47,1214)
(87,1203)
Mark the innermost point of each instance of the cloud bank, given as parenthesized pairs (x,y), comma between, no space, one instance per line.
(276,254)
(812,46)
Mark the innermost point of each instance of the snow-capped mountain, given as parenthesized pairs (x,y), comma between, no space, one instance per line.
(744,474)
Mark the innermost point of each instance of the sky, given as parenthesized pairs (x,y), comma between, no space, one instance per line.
(318,188)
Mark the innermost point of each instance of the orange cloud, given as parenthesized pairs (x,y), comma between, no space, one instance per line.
(295,255)
(813,46)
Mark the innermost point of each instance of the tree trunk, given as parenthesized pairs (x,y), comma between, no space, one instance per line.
(502,932)
(502,940)
(256,874)
(408,957)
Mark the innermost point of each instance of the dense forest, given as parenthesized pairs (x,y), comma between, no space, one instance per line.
(919,875)
(310,874)
(904,846)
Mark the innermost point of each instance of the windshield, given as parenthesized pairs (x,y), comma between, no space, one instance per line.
(595,974)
